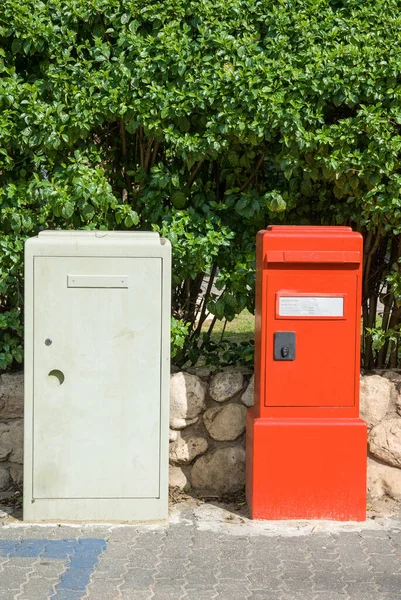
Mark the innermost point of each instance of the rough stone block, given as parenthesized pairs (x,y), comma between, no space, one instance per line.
(187,399)
(225,423)
(177,478)
(225,385)
(383,480)
(377,396)
(222,470)
(186,448)
(5,479)
(385,441)
(248,396)
(11,396)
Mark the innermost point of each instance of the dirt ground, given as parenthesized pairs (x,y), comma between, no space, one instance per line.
(233,506)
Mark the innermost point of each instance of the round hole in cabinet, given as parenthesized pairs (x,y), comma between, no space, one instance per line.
(55,378)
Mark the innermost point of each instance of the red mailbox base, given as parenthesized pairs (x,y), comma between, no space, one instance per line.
(306,468)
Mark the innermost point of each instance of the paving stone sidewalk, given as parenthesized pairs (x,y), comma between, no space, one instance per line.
(203,554)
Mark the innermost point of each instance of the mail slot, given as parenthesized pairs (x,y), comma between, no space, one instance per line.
(306,446)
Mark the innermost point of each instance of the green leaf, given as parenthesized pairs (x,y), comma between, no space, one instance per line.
(68,209)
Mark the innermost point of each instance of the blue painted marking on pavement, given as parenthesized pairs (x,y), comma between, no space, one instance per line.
(80,557)
(74,579)
(59,549)
(80,567)
(68,595)
(29,548)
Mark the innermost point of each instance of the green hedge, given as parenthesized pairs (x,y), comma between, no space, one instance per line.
(203,120)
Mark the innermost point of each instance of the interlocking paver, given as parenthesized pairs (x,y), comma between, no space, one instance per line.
(102,589)
(119,550)
(198,559)
(67,595)
(292,568)
(201,595)
(108,568)
(3,561)
(374,534)
(230,595)
(361,587)
(13,577)
(353,553)
(24,562)
(273,561)
(135,595)
(365,596)
(168,568)
(149,539)
(328,582)
(166,595)
(234,570)
(49,569)
(298,595)
(37,587)
(377,545)
(385,563)
(169,588)
(200,577)
(206,541)
(326,565)
(265,579)
(300,583)
(264,595)
(213,551)
(389,583)
(328,596)
(169,583)
(9,533)
(35,532)
(236,591)
(191,561)
(7,595)
(322,542)
(122,534)
(64,532)
(138,579)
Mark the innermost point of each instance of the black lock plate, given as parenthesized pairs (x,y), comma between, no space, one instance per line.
(284,345)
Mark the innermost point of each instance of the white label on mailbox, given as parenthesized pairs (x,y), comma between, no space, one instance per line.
(310,306)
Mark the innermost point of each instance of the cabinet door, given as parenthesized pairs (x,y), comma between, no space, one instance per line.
(317,367)
(97,345)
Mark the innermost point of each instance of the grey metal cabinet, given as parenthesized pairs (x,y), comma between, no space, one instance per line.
(97,375)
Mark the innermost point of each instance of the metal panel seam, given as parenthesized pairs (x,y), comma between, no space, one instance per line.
(33,377)
(161,370)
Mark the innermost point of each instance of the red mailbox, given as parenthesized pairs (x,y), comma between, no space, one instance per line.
(306,446)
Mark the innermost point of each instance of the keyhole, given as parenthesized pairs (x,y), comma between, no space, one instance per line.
(285,351)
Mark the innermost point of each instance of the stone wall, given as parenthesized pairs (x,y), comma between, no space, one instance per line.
(381,409)
(11,430)
(207,430)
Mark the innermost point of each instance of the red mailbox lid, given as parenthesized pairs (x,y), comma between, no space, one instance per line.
(307,244)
